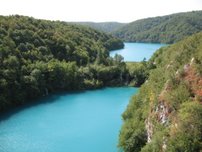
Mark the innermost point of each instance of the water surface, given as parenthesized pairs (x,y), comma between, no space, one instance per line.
(137,51)
(75,122)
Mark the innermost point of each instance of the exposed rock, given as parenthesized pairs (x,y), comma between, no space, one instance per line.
(177,72)
(168,66)
(149,128)
(162,111)
(164,146)
(192,61)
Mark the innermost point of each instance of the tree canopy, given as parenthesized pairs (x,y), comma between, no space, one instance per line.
(39,56)
(107,27)
(166,113)
(164,29)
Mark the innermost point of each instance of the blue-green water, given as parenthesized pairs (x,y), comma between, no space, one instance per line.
(137,51)
(75,122)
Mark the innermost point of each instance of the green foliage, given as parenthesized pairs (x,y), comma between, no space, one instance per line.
(107,27)
(165,29)
(156,143)
(133,132)
(138,72)
(133,140)
(188,133)
(179,94)
(172,92)
(39,56)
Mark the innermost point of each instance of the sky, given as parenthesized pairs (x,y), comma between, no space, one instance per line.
(97,10)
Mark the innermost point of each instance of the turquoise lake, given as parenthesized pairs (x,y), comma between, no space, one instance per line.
(87,121)
(137,51)
(73,122)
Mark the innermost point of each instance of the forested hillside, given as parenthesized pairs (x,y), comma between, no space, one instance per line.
(164,29)
(107,27)
(166,114)
(39,56)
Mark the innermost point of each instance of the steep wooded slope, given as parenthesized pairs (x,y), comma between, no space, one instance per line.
(40,56)
(166,114)
(164,29)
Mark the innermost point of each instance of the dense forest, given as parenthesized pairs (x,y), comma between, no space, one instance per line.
(107,27)
(165,29)
(39,56)
(166,113)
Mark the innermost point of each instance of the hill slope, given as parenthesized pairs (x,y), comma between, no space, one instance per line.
(107,27)
(166,113)
(39,56)
(165,29)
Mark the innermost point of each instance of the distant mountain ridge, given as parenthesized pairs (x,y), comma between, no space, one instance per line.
(163,29)
(107,27)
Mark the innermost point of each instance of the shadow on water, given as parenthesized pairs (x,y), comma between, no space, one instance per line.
(40,101)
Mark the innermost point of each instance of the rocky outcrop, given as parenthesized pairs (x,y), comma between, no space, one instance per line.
(149,129)
(161,112)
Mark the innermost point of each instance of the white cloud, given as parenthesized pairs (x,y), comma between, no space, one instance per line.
(96,10)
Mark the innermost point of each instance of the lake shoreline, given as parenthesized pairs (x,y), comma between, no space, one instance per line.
(99,111)
(137,52)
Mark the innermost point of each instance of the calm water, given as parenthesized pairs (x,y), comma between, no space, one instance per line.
(76,122)
(137,51)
